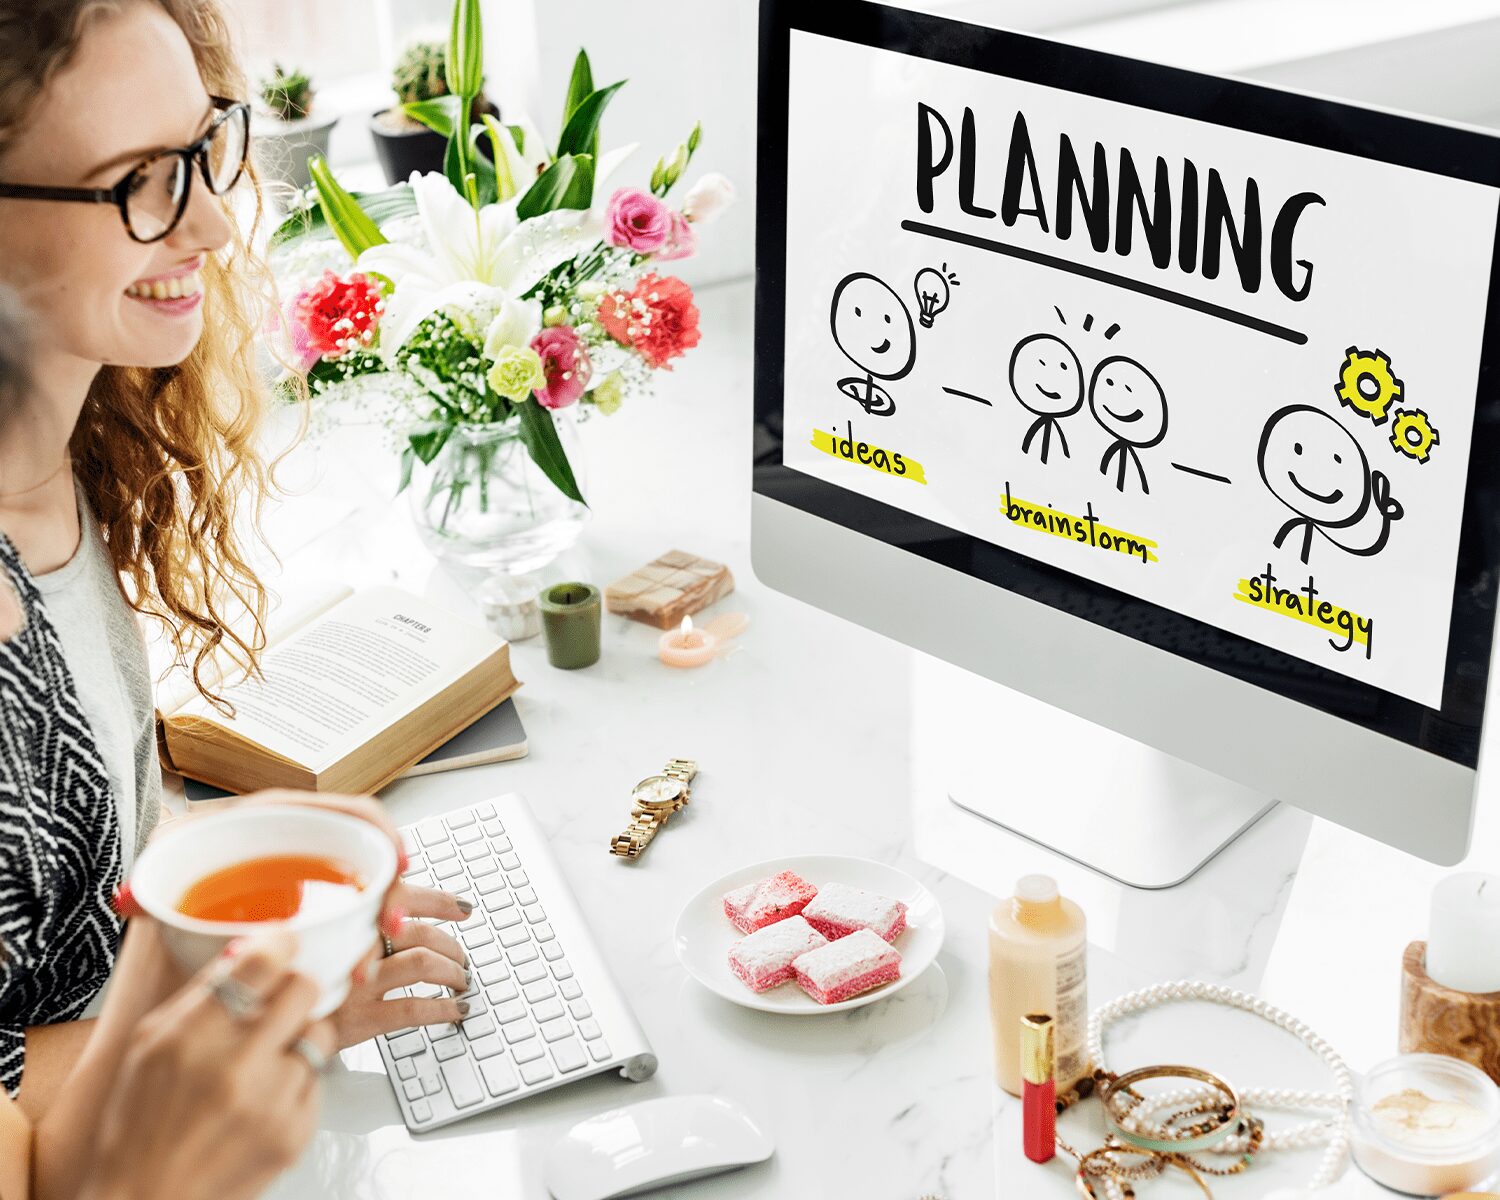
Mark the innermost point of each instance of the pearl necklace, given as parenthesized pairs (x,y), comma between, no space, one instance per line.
(1334,1129)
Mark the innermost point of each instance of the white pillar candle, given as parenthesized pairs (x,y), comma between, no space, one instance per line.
(1463,944)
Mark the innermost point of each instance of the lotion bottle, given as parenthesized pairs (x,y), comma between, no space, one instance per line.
(1038,964)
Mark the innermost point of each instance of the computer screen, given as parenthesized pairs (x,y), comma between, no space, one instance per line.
(1208,364)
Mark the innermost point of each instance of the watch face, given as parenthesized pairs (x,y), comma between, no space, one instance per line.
(659,790)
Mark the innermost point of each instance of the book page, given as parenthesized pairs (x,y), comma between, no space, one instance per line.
(336,683)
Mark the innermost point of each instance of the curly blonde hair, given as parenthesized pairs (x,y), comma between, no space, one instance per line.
(167,456)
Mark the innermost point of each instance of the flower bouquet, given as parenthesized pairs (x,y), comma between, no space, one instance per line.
(491,304)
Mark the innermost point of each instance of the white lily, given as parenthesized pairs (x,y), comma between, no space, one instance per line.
(521,168)
(490,247)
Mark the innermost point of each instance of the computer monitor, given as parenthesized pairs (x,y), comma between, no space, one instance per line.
(1168,400)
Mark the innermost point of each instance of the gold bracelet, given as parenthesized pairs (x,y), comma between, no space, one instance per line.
(1200,1137)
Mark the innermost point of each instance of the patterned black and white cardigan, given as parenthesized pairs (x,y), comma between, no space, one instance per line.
(59,836)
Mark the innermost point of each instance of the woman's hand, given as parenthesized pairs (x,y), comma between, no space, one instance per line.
(208,1105)
(424,954)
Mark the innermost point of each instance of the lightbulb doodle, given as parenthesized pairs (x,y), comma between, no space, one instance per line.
(934,288)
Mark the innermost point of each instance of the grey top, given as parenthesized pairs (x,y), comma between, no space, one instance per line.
(106,653)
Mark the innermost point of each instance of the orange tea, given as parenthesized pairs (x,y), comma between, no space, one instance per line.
(276,888)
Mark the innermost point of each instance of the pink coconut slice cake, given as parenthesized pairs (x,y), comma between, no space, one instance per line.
(847,967)
(764,959)
(838,910)
(765,901)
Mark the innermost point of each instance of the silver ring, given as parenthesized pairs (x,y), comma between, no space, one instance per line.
(388,945)
(311,1055)
(239,999)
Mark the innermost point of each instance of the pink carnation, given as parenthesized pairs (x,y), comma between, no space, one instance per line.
(637,220)
(682,242)
(565,363)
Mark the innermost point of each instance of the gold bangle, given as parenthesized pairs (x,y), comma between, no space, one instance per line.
(1185,1145)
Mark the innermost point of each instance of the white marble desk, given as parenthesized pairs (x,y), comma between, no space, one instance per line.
(811,740)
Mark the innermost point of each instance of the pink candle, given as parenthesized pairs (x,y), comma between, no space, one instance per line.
(687,646)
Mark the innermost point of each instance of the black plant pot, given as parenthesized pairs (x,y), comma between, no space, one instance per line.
(402,151)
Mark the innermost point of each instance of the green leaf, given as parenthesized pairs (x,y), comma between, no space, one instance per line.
(426,443)
(546,194)
(465,63)
(380,207)
(505,179)
(349,222)
(477,166)
(408,463)
(581,134)
(438,115)
(580,86)
(539,435)
(580,190)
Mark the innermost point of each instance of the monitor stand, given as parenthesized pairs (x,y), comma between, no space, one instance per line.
(1113,804)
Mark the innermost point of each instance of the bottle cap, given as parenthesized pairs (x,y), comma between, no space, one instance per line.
(1036,889)
(1037,1034)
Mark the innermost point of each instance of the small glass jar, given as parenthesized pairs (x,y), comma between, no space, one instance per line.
(1438,1130)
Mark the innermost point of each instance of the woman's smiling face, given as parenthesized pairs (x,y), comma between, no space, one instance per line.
(97,295)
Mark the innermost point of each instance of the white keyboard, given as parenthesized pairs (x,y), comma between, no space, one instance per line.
(543,1009)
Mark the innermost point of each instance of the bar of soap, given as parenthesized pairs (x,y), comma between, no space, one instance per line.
(671,587)
(766,901)
(847,967)
(764,959)
(838,910)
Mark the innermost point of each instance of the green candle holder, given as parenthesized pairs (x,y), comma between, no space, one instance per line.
(571,615)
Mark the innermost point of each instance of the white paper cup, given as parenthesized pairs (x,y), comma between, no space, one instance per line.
(329,945)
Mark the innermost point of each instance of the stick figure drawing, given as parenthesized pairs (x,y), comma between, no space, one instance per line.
(874,330)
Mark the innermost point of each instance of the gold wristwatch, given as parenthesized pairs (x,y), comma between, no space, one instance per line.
(656,798)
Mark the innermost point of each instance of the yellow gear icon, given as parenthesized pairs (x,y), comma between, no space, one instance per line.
(1413,434)
(1367,385)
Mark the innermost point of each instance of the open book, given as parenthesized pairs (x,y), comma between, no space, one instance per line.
(350,698)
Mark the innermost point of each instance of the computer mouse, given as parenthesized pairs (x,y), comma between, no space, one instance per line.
(653,1144)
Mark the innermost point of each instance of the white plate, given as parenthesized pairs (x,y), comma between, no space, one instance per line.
(704,934)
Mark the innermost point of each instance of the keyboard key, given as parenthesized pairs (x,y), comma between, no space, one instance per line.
(580,1009)
(485,811)
(536,1072)
(568,987)
(487,869)
(459,819)
(407,1045)
(543,932)
(486,1047)
(489,883)
(509,1010)
(413,1089)
(493,973)
(471,853)
(423,880)
(534,914)
(504,920)
(481,936)
(491,824)
(431,833)
(474,918)
(501,845)
(430,1083)
(530,972)
(463,1084)
(447,870)
(405,1069)
(522,955)
(409,840)
(428,991)
(510,862)
(468,836)
(499,1076)
(502,992)
(547,1010)
(526,896)
(514,936)
(414,863)
(599,1050)
(568,1055)
(590,1030)
(448,1047)
(558,1028)
(551,950)
(517,1031)
(485,955)
(476,1027)
(421,1112)
(517,879)
(527,1051)
(442,853)
(539,990)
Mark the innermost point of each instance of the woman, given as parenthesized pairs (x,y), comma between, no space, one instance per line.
(130,457)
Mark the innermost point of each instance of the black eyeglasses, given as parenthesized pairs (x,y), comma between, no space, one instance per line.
(153,195)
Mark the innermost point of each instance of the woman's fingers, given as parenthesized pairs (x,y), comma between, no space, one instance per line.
(420,933)
(428,902)
(399,1014)
(283,1017)
(323,1040)
(421,965)
(235,986)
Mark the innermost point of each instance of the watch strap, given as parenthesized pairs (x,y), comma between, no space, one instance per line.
(644,823)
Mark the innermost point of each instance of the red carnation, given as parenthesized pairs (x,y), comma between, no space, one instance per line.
(658,319)
(339,315)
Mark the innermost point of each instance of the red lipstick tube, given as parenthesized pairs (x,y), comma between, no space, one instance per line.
(1038,1088)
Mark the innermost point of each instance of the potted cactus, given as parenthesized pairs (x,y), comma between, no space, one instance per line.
(286,133)
(403,143)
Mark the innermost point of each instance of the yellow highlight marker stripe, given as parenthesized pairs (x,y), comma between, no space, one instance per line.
(828,443)
(1268,603)
(1067,526)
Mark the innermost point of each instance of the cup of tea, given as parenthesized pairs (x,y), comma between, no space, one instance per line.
(320,874)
